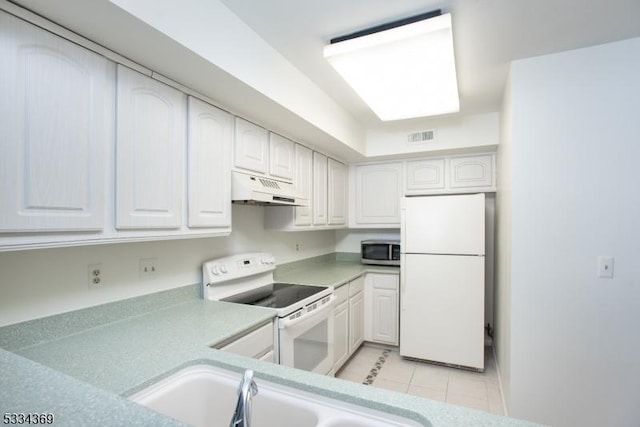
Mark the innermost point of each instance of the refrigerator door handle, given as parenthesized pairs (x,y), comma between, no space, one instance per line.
(403,285)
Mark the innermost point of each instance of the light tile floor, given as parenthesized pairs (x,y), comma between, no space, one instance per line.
(456,386)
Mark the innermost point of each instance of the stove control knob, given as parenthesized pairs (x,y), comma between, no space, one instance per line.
(214,270)
(263,261)
(223,269)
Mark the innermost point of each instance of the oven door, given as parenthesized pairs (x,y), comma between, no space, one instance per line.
(306,342)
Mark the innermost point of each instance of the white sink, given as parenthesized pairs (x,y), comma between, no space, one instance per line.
(206,396)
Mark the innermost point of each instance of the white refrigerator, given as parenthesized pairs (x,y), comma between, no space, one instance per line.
(442,279)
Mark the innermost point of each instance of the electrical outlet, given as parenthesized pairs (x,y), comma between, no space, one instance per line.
(94,276)
(148,268)
(297,247)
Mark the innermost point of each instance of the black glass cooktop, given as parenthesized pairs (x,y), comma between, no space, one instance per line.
(284,295)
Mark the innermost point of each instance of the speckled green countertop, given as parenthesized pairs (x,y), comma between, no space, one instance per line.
(81,365)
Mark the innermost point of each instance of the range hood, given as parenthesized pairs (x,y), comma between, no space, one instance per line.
(258,190)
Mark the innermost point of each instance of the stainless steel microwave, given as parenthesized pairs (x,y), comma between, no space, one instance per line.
(380,252)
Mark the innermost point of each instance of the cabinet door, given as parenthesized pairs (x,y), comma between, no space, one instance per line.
(150,150)
(304,184)
(337,192)
(356,321)
(251,148)
(281,157)
(253,344)
(56,133)
(319,189)
(385,316)
(381,308)
(210,137)
(341,345)
(377,193)
(469,172)
(425,175)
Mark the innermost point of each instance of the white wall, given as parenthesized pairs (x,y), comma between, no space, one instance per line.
(575,351)
(349,240)
(474,132)
(38,283)
(264,69)
(502,300)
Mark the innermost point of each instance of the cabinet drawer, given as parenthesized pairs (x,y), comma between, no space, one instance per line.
(342,294)
(356,285)
(252,344)
(383,281)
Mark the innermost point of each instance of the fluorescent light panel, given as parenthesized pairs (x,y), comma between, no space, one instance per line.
(404,72)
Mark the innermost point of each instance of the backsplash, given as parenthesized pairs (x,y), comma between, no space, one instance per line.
(43,282)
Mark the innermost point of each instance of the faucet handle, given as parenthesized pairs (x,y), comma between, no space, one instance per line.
(247,380)
(246,390)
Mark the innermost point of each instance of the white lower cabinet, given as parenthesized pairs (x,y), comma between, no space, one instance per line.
(341,328)
(254,343)
(356,314)
(381,308)
(348,321)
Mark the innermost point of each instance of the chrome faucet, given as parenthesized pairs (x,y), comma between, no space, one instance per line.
(247,389)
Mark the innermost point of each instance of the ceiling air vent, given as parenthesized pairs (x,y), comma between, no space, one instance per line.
(421,137)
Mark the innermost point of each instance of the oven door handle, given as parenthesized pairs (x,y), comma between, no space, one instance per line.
(290,323)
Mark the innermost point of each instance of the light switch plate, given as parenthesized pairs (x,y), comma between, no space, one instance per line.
(605,267)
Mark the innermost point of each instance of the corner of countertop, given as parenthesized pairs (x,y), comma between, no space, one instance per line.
(37,331)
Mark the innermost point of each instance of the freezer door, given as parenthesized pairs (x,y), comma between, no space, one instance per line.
(443,224)
(442,309)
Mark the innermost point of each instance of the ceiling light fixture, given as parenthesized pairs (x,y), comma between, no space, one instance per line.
(403,69)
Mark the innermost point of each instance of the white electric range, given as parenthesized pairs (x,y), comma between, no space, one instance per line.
(304,325)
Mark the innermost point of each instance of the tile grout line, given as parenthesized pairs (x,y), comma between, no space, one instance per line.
(373,373)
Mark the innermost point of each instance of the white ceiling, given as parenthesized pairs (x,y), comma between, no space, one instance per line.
(488,34)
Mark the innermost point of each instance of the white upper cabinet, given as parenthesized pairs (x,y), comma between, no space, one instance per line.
(337,193)
(319,189)
(251,148)
(323,182)
(281,157)
(376,194)
(56,133)
(150,149)
(456,174)
(303,184)
(426,174)
(210,136)
(471,172)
